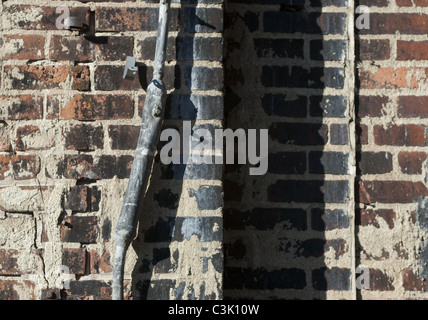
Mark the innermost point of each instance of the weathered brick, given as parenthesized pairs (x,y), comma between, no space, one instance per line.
(23,47)
(412,107)
(203,20)
(77,199)
(327,106)
(31,198)
(203,78)
(374,162)
(36,77)
(79,229)
(19,167)
(33,138)
(368,217)
(30,17)
(89,290)
(279,48)
(100,263)
(330,50)
(413,282)
(98,107)
(362,134)
(17,290)
(391,191)
(4,138)
(373,49)
(21,107)
(131,19)
(83,137)
(9,262)
(380,281)
(328,162)
(388,78)
(75,260)
(80,78)
(411,162)
(401,135)
(123,137)
(90,48)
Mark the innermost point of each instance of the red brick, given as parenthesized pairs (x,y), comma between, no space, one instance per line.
(87,49)
(75,260)
(390,23)
(362,134)
(36,77)
(412,50)
(100,263)
(130,19)
(83,137)
(38,17)
(32,138)
(401,135)
(123,137)
(373,49)
(9,262)
(19,167)
(388,78)
(80,78)
(371,106)
(413,282)
(380,281)
(369,217)
(411,162)
(98,107)
(391,191)
(23,47)
(21,107)
(17,290)
(410,3)
(413,107)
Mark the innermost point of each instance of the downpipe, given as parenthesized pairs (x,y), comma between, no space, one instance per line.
(153,112)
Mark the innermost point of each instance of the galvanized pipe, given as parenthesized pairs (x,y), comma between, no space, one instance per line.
(153,112)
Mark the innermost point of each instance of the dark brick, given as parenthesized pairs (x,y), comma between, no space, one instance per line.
(391,23)
(380,281)
(331,279)
(192,107)
(154,289)
(80,78)
(147,48)
(328,106)
(77,199)
(203,20)
(84,137)
(167,199)
(281,105)
(265,219)
(323,3)
(330,50)
(374,162)
(308,191)
(203,78)
(203,227)
(208,197)
(302,77)
(311,134)
(24,47)
(370,106)
(123,137)
(24,167)
(89,289)
(325,219)
(79,229)
(279,48)
(9,262)
(195,49)
(287,163)
(401,135)
(413,282)
(304,22)
(100,263)
(75,260)
(412,107)
(372,49)
(339,134)
(328,162)
(32,138)
(12,290)
(161,231)
(239,278)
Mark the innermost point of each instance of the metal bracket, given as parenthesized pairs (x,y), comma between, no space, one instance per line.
(130,68)
(74,23)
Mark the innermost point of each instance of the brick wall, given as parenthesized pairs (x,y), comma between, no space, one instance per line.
(69,125)
(346,183)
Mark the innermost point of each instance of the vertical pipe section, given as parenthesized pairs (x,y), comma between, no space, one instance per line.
(153,112)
